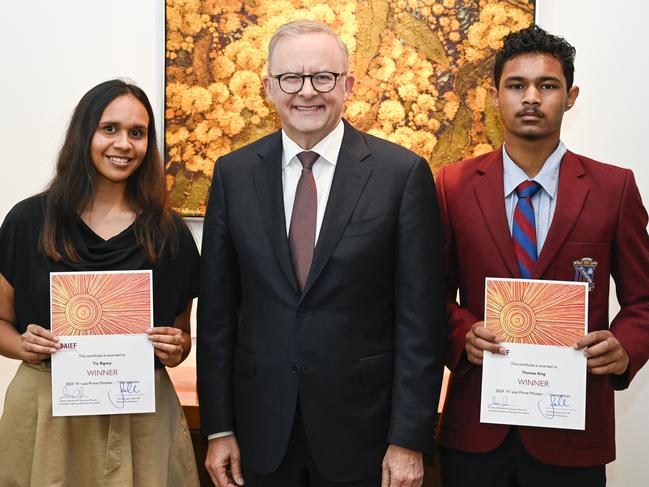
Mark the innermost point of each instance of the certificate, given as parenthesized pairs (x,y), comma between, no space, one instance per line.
(542,379)
(105,363)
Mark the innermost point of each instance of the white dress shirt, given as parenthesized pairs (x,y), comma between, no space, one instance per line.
(544,201)
(323,172)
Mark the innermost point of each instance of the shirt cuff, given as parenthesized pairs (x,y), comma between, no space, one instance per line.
(220,435)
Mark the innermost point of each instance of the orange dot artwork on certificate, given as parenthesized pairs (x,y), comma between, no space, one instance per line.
(100,303)
(535,312)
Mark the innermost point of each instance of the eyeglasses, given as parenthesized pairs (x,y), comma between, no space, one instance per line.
(322,82)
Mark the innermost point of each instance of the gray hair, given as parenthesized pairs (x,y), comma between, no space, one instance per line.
(300,27)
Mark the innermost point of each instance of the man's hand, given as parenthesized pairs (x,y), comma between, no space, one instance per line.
(605,353)
(478,339)
(402,468)
(223,461)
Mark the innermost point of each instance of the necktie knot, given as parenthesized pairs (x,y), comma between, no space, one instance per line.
(308,158)
(527,189)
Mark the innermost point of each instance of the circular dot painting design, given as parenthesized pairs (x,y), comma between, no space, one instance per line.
(535,312)
(100,303)
(517,319)
(83,311)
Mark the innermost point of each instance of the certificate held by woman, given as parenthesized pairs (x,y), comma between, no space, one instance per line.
(105,364)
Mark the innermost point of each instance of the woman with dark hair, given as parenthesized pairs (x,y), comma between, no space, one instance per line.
(104,210)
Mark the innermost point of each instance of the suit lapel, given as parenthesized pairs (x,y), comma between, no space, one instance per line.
(267,175)
(571,196)
(489,191)
(347,186)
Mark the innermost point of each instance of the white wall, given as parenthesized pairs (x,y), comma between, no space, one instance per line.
(53,52)
(609,123)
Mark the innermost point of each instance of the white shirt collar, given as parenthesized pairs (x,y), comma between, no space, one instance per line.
(548,176)
(328,148)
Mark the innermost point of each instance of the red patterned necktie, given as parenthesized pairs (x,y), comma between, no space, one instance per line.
(301,235)
(524,228)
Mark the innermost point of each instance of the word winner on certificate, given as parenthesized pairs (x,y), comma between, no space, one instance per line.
(541,380)
(105,363)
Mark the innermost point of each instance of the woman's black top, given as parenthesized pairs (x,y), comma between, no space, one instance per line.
(27,269)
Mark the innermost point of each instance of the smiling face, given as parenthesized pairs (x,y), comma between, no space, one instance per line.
(308,116)
(120,140)
(533,96)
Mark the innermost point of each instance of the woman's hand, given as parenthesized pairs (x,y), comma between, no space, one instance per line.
(172,345)
(37,344)
(33,346)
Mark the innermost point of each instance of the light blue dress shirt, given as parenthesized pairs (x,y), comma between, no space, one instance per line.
(544,201)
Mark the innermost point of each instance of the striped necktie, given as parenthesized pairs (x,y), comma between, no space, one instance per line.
(301,235)
(524,228)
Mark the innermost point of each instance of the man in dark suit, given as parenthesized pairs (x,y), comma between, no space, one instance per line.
(587,223)
(321,324)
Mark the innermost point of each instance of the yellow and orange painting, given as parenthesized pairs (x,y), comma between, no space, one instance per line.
(536,312)
(422,69)
(100,303)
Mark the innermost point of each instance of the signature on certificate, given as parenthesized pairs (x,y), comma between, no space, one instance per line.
(126,389)
(556,402)
(70,392)
(499,401)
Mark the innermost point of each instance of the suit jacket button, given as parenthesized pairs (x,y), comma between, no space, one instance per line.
(302,313)
(295,369)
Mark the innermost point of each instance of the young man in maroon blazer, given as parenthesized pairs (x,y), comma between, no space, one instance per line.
(586,215)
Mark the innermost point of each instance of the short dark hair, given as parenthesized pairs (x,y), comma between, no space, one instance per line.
(534,40)
(73,187)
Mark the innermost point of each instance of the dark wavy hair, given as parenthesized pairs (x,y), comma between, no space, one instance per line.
(534,40)
(74,184)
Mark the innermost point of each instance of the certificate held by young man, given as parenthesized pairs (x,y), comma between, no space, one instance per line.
(105,364)
(541,381)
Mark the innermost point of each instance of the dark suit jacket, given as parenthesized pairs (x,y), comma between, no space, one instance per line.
(599,214)
(362,346)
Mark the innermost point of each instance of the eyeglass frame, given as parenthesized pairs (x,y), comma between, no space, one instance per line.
(310,76)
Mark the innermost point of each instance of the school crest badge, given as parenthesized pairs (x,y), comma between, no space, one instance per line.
(585,271)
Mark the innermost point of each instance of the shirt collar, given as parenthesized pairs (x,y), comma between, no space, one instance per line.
(548,176)
(328,148)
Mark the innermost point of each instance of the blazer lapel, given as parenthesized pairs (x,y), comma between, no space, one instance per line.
(267,175)
(489,191)
(347,186)
(571,197)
